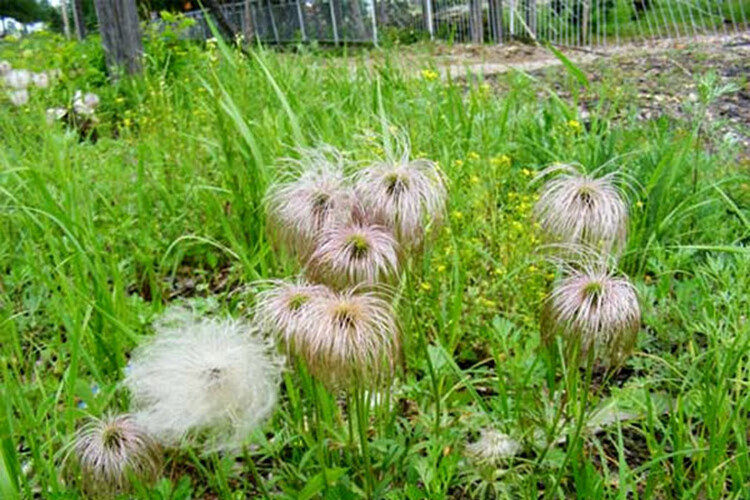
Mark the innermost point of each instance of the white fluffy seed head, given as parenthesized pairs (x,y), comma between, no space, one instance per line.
(206,382)
(406,196)
(349,339)
(55,114)
(308,198)
(592,308)
(85,104)
(582,209)
(19,97)
(351,251)
(5,68)
(492,447)
(18,79)
(40,80)
(113,450)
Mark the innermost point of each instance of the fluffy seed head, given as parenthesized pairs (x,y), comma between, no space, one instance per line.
(582,209)
(5,68)
(349,338)
(594,309)
(308,199)
(19,97)
(85,104)
(112,450)
(404,196)
(492,447)
(351,252)
(55,114)
(206,381)
(18,79)
(283,308)
(40,80)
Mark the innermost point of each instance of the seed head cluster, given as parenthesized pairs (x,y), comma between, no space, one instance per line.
(18,82)
(591,306)
(350,226)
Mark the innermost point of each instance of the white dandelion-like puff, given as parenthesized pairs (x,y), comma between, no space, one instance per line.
(492,447)
(208,381)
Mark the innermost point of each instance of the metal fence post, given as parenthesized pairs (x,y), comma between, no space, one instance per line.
(301,18)
(374,22)
(427,13)
(333,22)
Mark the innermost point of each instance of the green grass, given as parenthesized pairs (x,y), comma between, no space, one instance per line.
(97,239)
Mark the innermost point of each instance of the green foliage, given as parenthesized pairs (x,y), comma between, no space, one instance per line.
(97,238)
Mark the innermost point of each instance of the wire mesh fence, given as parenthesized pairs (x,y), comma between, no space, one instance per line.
(561,22)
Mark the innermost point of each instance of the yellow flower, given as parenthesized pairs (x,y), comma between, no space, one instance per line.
(527,172)
(441,268)
(474,179)
(487,302)
(120,100)
(532,268)
(502,161)
(499,271)
(458,163)
(426,286)
(575,125)
(429,75)
(473,156)
(485,87)
(457,215)
(126,122)
(639,204)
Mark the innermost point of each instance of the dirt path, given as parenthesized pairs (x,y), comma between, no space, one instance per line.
(460,61)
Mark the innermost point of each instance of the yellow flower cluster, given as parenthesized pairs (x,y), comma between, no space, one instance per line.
(430,75)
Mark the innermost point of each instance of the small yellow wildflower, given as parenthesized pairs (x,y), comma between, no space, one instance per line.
(441,268)
(120,100)
(527,172)
(473,156)
(126,122)
(484,88)
(457,215)
(499,271)
(458,163)
(426,286)
(639,204)
(575,126)
(429,75)
(502,161)
(532,268)
(487,302)
(474,179)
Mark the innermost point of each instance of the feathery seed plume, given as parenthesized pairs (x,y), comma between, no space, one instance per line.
(208,381)
(582,209)
(593,308)
(113,450)
(349,338)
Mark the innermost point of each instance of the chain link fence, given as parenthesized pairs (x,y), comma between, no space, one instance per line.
(561,22)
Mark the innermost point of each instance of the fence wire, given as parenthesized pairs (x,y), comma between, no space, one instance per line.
(561,22)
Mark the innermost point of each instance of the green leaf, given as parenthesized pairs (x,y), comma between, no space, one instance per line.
(319,482)
(572,68)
